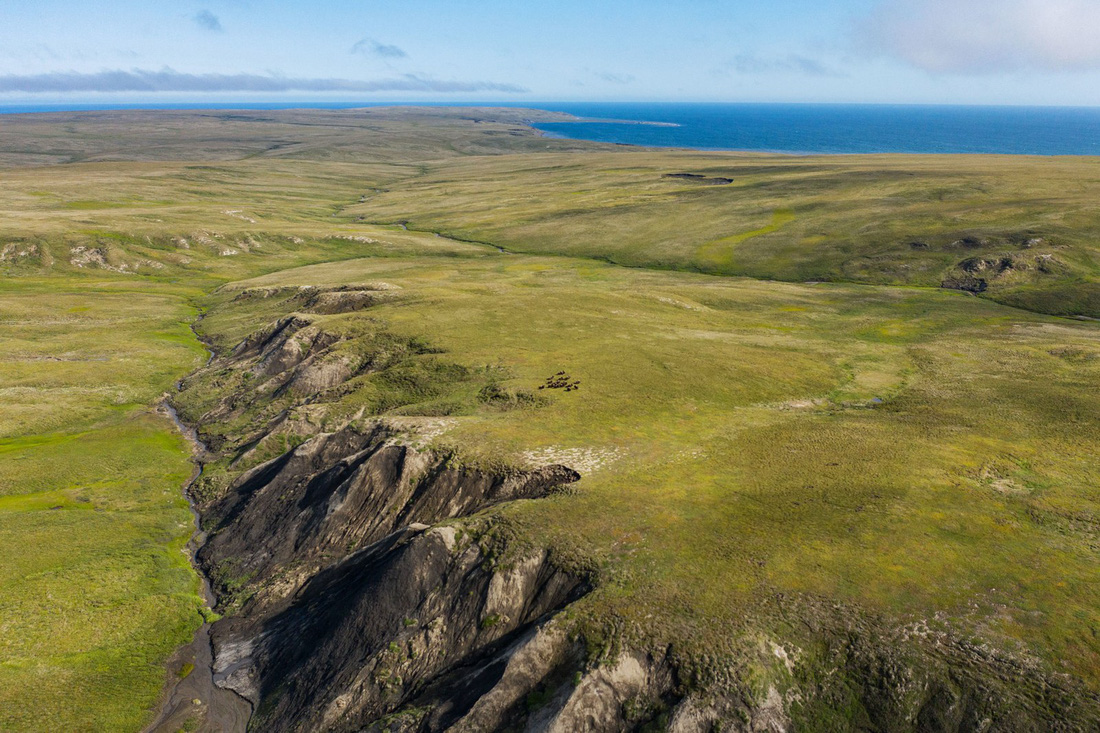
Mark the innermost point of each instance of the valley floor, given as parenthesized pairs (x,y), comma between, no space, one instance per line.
(866,501)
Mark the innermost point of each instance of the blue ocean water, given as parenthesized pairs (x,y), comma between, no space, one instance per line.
(821,128)
(784,128)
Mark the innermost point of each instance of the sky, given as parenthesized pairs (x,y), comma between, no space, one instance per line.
(1020,52)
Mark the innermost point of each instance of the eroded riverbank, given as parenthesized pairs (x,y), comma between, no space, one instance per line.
(192,694)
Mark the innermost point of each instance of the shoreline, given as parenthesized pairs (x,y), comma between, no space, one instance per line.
(614,121)
(770,129)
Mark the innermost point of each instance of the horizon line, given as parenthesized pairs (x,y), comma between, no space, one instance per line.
(30,106)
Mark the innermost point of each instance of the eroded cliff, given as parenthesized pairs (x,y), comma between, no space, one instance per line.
(368,584)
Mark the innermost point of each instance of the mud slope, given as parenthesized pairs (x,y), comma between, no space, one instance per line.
(348,603)
(367,583)
(363,636)
(284,520)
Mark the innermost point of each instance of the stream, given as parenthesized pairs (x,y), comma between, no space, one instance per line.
(192,693)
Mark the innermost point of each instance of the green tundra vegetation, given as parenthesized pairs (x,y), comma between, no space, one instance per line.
(812,392)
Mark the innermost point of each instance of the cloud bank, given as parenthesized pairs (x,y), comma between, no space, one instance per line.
(986,36)
(207,20)
(793,63)
(168,80)
(371,47)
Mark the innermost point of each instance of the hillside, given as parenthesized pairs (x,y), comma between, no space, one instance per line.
(511,433)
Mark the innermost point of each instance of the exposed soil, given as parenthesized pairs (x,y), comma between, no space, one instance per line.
(365,589)
(286,519)
(191,693)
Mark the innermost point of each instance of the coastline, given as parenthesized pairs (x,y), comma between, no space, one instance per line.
(788,129)
(836,129)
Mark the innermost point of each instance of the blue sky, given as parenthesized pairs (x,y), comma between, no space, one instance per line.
(894,51)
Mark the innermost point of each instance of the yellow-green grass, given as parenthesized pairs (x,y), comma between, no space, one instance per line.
(910,452)
(222,180)
(878,219)
(194,225)
(718,406)
(721,251)
(400,135)
(95,589)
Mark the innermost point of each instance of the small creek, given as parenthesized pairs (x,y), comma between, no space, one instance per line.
(192,692)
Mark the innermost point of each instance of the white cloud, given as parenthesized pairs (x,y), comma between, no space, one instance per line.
(169,80)
(371,47)
(986,36)
(792,63)
(207,21)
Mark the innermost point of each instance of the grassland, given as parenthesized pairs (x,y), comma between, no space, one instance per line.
(907,452)
(760,458)
(1026,227)
(95,327)
(95,590)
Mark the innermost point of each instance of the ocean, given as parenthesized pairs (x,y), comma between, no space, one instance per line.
(782,128)
(814,128)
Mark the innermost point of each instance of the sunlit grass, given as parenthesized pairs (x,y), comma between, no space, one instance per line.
(755,451)
(876,219)
(907,451)
(95,590)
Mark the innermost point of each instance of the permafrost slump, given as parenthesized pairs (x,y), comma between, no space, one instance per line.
(364,592)
(421,628)
(349,611)
(364,636)
(286,519)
